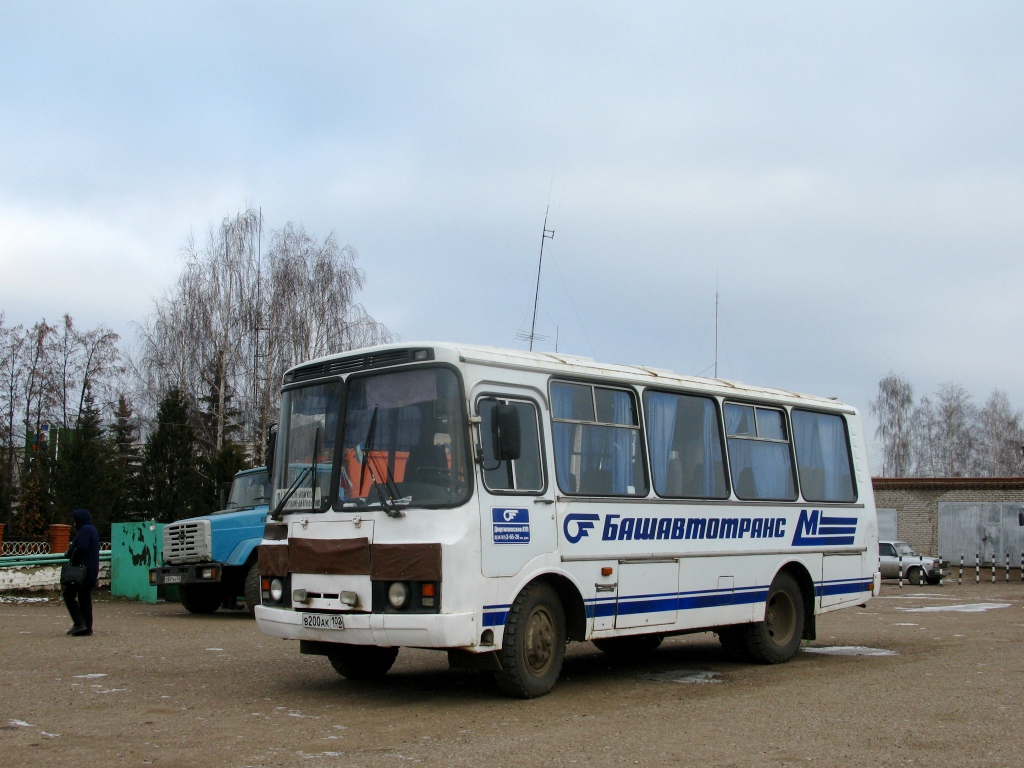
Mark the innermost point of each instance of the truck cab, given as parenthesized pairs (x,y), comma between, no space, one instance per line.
(212,558)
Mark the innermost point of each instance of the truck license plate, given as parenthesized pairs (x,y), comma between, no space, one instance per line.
(172,579)
(323,621)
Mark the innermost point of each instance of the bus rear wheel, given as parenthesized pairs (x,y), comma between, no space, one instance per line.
(777,638)
(362,662)
(534,644)
(201,598)
(629,646)
(734,642)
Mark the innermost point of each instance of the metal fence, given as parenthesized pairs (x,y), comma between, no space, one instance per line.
(35,547)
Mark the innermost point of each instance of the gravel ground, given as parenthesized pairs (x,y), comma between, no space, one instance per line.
(157,686)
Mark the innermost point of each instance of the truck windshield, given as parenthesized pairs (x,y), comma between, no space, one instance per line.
(305,446)
(249,490)
(404,440)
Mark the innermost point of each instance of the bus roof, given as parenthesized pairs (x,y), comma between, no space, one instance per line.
(574,365)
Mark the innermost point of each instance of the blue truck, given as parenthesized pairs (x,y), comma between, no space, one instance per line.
(212,559)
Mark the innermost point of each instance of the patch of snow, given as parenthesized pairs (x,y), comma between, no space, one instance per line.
(964,608)
(683,676)
(92,676)
(850,650)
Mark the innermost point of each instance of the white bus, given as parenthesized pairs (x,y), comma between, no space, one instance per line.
(499,503)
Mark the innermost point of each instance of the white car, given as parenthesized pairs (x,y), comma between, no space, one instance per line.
(915,567)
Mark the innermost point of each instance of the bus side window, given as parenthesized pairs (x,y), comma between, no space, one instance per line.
(522,475)
(684,442)
(597,440)
(823,456)
(759,453)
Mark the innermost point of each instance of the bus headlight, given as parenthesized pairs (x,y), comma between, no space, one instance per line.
(398,595)
(276,590)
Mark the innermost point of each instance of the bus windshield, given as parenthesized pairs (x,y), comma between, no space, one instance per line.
(404,440)
(305,452)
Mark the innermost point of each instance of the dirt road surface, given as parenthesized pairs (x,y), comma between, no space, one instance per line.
(157,686)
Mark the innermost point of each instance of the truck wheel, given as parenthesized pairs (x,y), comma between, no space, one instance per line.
(201,598)
(777,638)
(362,662)
(630,646)
(534,646)
(252,588)
(914,576)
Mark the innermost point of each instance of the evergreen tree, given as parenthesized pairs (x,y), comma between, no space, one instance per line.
(84,469)
(172,479)
(124,441)
(35,501)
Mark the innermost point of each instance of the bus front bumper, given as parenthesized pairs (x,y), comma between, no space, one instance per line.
(445,630)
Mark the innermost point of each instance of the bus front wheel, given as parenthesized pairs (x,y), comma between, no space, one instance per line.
(362,662)
(777,638)
(252,588)
(534,644)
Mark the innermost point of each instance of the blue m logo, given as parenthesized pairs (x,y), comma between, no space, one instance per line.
(814,529)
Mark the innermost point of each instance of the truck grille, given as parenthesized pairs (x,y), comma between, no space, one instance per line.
(187,542)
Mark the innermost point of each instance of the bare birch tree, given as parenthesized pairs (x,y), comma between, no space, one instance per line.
(1000,438)
(236,319)
(893,407)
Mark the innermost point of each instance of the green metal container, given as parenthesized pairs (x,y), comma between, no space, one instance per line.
(134,549)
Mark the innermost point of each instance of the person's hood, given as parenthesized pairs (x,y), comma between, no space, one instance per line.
(81,517)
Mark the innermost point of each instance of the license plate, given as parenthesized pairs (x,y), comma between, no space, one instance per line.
(172,579)
(323,621)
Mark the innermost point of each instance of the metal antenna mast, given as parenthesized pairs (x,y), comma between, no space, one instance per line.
(716,326)
(546,234)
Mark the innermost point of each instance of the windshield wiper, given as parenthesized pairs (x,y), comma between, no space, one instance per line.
(275,515)
(388,501)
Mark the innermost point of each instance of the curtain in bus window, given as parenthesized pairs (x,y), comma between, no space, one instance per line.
(823,457)
(624,448)
(561,407)
(761,469)
(711,474)
(661,428)
(609,461)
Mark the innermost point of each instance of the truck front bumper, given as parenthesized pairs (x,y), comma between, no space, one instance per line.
(445,630)
(190,573)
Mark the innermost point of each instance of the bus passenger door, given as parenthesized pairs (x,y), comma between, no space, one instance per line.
(517,511)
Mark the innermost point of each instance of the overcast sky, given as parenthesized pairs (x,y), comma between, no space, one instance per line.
(849,175)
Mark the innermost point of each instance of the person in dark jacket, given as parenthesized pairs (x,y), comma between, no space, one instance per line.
(84,549)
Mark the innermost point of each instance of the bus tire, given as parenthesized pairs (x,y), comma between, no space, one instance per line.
(252,588)
(629,646)
(534,644)
(734,643)
(201,598)
(777,638)
(362,662)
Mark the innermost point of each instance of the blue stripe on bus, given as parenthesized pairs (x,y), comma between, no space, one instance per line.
(598,607)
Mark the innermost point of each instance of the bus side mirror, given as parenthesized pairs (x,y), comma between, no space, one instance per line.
(505,432)
(271,447)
